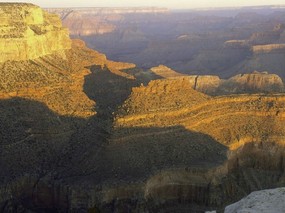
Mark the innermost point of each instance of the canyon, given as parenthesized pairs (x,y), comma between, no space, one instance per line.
(223,42)
(80,132)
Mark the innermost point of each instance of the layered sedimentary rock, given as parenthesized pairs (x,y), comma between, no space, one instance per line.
(165,72)
(202,83)
(208,84)
(253,82)
(248,127)
(82,25)
(27,32)
(268,48)
(243,83)
(101,11)
(96,21)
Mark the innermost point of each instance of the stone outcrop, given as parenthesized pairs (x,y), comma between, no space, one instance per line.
(243,83)
(268,48)
(208,84)
(164,94)
(203,83)
(165,72)
(265,201)
(237,44)
(27,32)
(252,82)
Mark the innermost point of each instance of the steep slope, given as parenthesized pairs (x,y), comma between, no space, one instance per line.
(245,132)
(47,117)
(162,94)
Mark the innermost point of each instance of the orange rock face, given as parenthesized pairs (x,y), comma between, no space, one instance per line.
(28,32)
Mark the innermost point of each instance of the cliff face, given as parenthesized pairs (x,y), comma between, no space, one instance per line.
(27,32)
(165,72)
(96,21)
(112,10)
(253,82)
(81,25)
(268,48)
(243,83)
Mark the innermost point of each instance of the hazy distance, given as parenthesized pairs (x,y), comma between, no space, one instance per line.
(173,4)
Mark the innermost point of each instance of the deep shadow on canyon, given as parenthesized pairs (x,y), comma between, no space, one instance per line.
(169,169)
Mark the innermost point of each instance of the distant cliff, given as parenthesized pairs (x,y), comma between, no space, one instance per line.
(114,10)
(242,83)
(93,21)
(27,32)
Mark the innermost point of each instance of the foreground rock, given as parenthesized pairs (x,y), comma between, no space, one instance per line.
(266,201)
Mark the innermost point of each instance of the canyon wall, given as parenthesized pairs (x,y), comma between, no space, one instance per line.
(242,83)
(97,21)
(27,32)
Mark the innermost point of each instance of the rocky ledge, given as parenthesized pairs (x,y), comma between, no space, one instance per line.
(28,32)
(272,200)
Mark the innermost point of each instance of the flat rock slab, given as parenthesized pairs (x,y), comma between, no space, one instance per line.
(267,201)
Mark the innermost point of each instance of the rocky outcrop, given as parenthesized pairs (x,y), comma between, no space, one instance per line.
(243,83)
(203,83)
(268,48)
(265,201)
(165,72)
(208,84)
(27,32)
(252,82)
(163,95)
(237,44)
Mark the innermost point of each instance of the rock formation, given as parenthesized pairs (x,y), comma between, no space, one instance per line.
(243,83)
(96,21)
(242,124)
(111,10)
(27,32)
(84,25)
(165,72)
(269,48)
(271,200)
(253,82)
